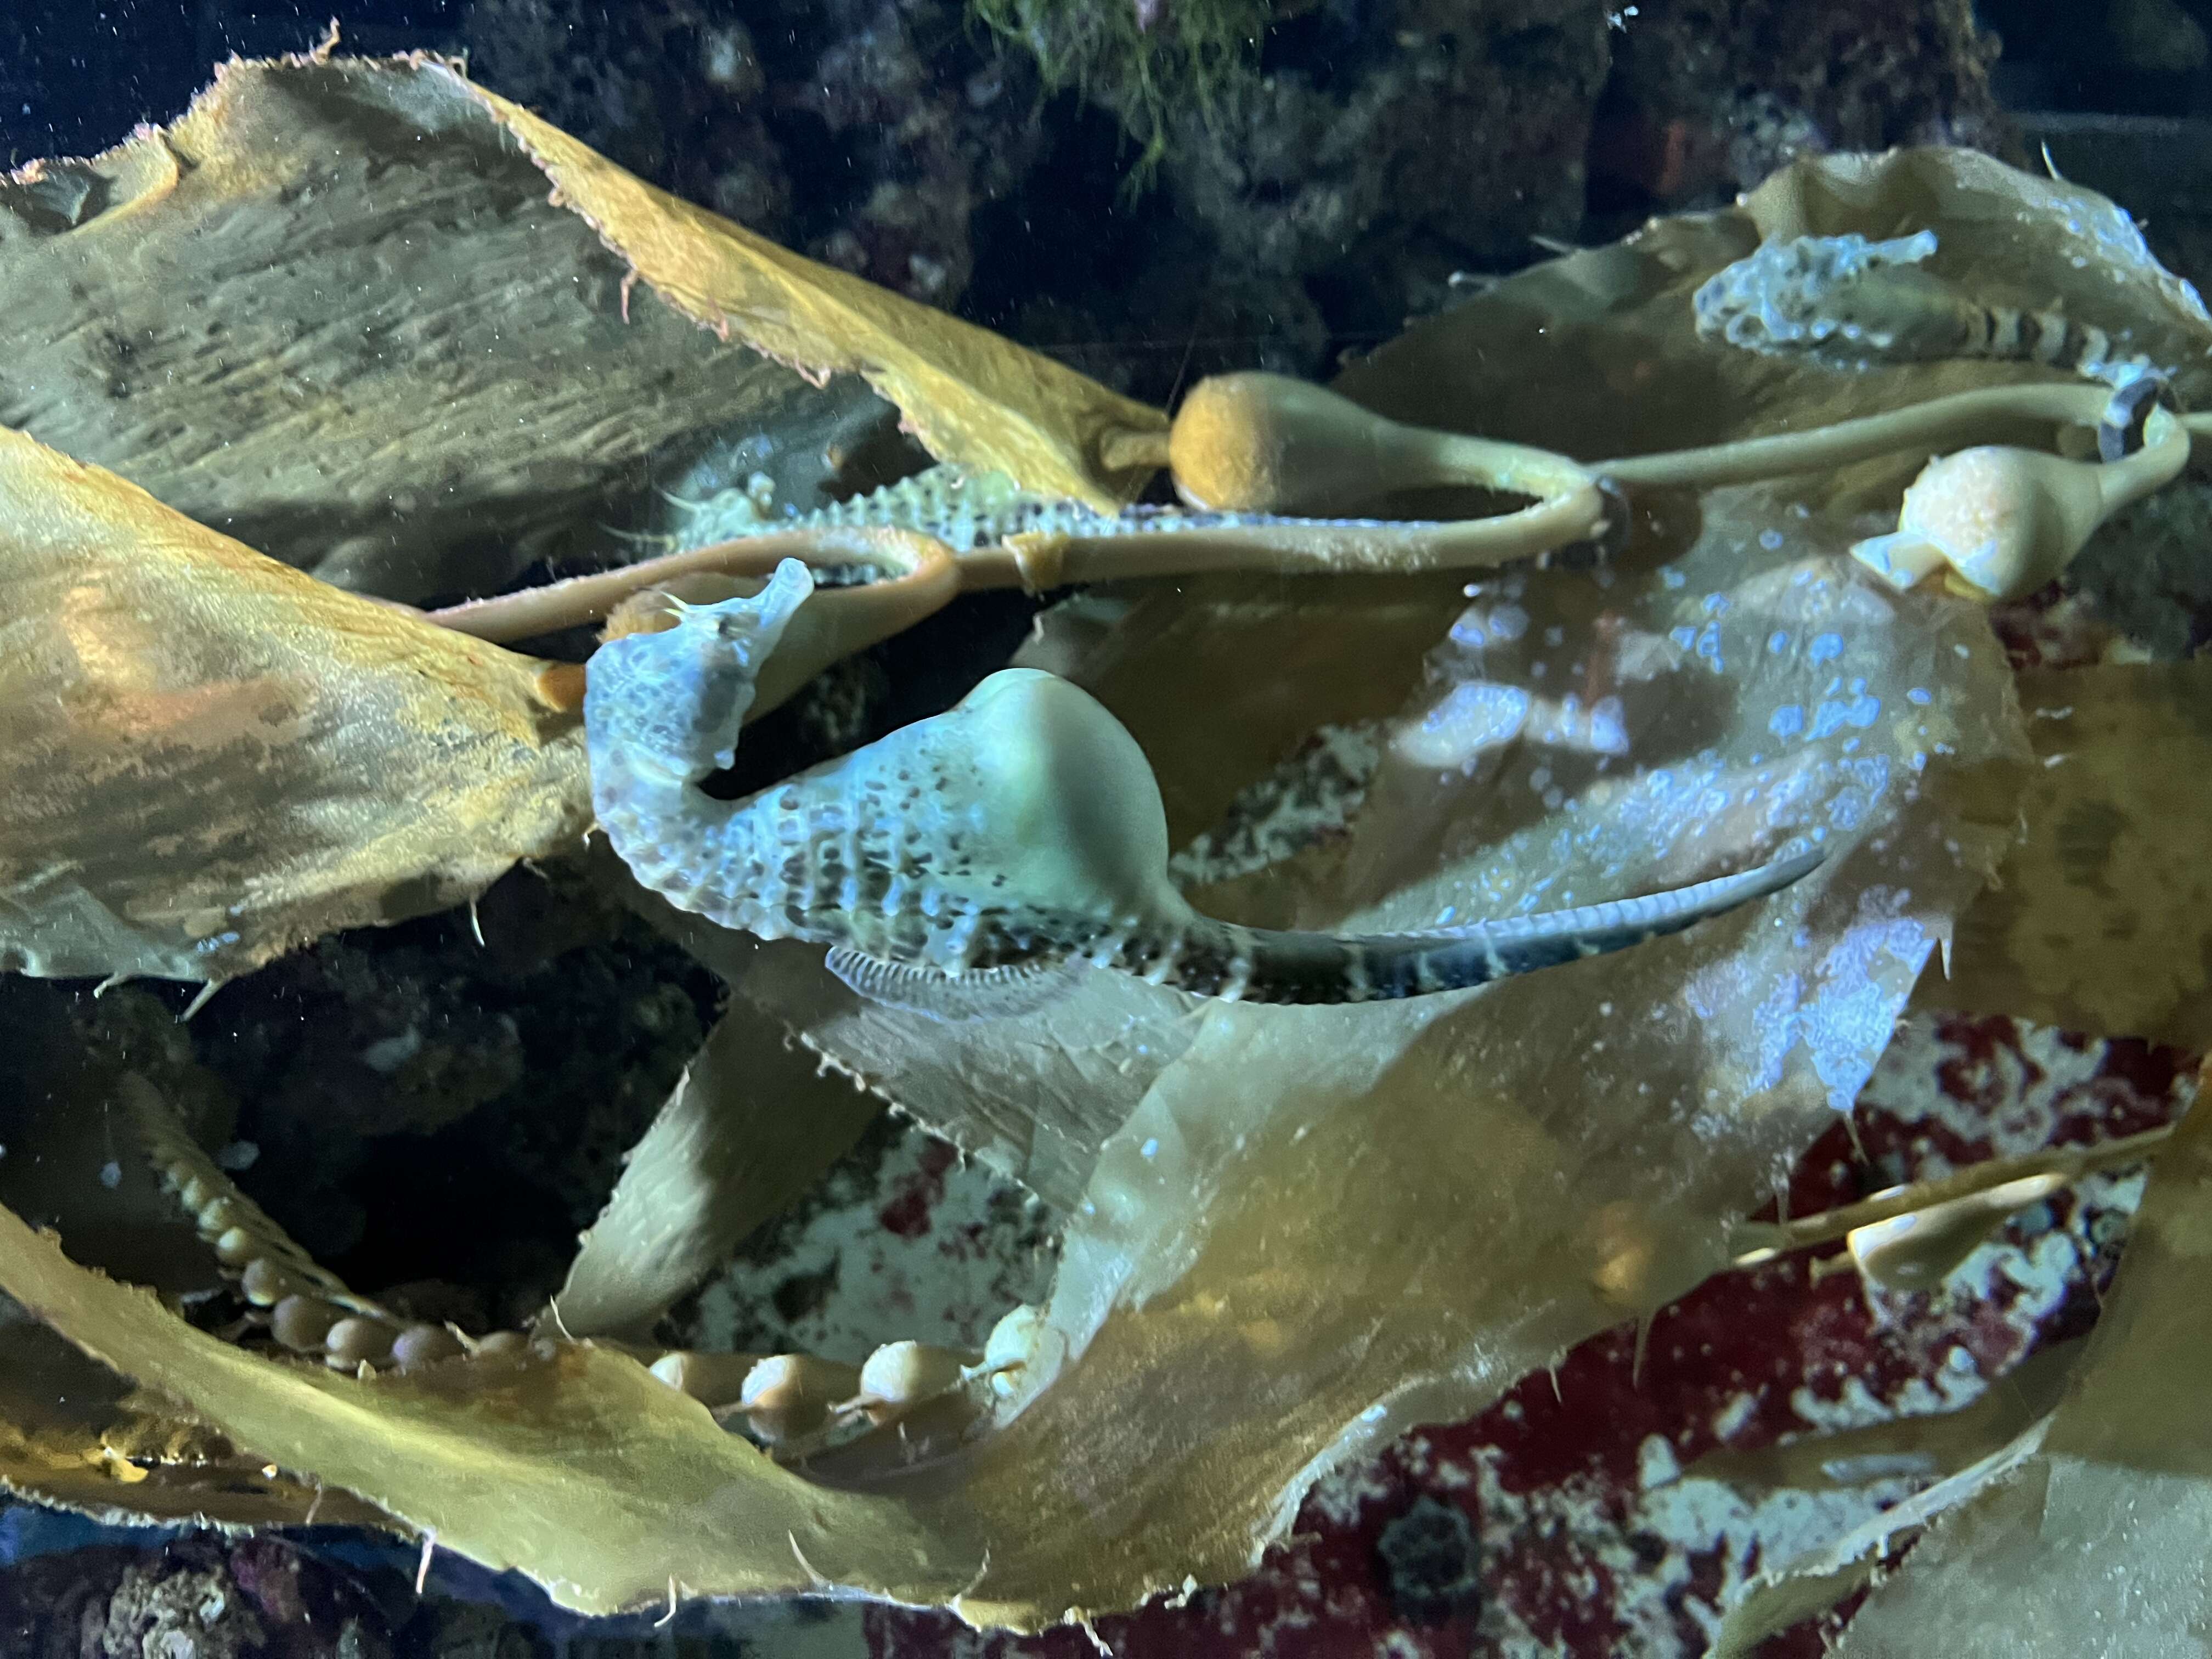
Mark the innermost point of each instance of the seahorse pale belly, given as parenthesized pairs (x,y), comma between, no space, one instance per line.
(970,864)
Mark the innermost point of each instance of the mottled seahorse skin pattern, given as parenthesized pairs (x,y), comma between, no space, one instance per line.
(1851,302)
(972,863)
(966,510)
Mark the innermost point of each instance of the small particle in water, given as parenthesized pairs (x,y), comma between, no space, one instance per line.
(239,1155)
(1919,694)
(1670,577)
(1769,539)
(1151,1148)
(387,1054)
(111,1174)
(1777,642)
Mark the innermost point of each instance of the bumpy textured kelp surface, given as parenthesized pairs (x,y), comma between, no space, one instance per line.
(2083,1530)
(2099,920)
(2094,1542)
(1290,1233)
(750,1128)
(248,312)
(501,1460)
(210,758)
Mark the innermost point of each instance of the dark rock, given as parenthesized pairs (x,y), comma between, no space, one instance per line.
(1431,1562)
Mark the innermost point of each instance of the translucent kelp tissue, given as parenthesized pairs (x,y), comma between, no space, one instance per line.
(1369,708)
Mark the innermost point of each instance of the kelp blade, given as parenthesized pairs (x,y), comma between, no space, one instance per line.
(210,758)
(2100,920)
(2096,1544)
(501,1459)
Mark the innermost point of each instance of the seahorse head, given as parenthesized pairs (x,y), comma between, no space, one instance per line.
(672,702)
(1843,298)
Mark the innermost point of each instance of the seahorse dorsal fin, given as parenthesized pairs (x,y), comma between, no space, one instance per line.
(985,993)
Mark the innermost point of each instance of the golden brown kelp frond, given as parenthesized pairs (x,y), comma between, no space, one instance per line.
(971,397)
(74,1433)
(2101,920)
(209,758)
(753,1124)
(1292,1232)
(1382,1216)
(345,243)
(498,1456)
(2082,1520)
(2086,1534)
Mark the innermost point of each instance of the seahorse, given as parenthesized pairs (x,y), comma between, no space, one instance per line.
(972,863)
(1852,302)
(961,509)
